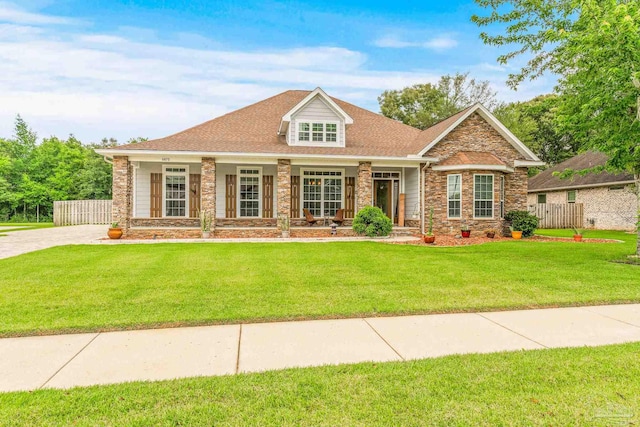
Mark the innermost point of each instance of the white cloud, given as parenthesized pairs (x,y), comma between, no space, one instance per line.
(9,12)
(442,42)
(97,84)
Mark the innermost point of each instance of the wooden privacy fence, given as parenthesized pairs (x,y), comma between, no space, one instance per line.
(76,212)
(559,215)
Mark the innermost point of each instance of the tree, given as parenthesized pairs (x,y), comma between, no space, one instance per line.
(594,47)
(423,105)
(535,122)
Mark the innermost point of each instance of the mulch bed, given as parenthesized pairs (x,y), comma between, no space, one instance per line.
(446,240)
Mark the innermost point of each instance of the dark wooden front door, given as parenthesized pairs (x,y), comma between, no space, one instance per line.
(382,195)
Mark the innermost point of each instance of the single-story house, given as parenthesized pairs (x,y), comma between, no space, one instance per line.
(306,150)
(609,200)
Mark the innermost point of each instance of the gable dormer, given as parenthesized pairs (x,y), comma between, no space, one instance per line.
(316,121)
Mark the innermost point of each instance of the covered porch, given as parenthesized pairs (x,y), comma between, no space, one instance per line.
(162,198)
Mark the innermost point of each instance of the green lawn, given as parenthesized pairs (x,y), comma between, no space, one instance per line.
(94,287)
(568,387)
(18,226)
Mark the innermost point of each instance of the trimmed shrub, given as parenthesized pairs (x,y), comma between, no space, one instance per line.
(522,221)
(372,222)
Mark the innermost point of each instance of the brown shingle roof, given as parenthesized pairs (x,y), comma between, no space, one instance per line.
(253,129)
(547,181)
(472,158)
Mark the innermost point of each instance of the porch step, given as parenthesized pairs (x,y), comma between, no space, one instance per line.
(404,231)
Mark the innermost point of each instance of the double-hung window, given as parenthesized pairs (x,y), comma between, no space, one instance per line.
(571,196)
(249,192)
(502,196)
(483,196)
(322,191)
(317,132)
(454,196)
(175,191)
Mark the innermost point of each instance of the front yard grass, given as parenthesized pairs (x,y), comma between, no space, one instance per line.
(21,226)
(95,287)
(578,386)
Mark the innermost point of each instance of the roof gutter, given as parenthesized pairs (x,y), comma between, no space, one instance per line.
(572,187)
(116,152)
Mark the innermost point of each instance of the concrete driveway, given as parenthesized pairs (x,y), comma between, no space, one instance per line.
(21,242)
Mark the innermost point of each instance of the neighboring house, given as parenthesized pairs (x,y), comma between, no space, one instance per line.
(609,201)
(302,149)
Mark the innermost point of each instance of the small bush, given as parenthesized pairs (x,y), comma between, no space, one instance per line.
(372,222)
(522,221)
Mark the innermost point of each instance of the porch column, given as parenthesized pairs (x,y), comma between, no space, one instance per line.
(208,188)
(364,196)
(284,188)
(122,192)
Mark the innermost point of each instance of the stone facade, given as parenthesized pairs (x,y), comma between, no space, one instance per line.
(122,192)
(284,188)
(208,188)
(364,190)
(165,222)
(436,197)
(605,208)
(474,134)
(164,233)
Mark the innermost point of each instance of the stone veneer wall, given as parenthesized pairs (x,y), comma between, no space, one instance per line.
(474,134)
(436,196)
(208,188)
(364,191)
(604,209)
(165,222)
(122,192)
(284,188)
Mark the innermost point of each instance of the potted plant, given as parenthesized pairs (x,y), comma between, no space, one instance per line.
(465,230)
(429,237)
(115,232)
(205,224)
(285,225)
(491,233)
(516,234)
(522,223)
(577,234)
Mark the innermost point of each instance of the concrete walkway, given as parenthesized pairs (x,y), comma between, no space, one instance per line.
(65,361)
(21,242)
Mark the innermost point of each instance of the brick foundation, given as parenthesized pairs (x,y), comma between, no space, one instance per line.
(166,233)
(165,222)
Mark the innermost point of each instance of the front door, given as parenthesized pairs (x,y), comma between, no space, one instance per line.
(382,196)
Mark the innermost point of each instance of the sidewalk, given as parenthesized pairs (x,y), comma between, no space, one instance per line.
(64,361)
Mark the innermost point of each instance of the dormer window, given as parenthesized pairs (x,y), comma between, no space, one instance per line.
(317,132)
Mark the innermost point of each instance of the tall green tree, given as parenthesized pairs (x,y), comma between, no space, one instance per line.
(535,122)
(594,47)
(423,105)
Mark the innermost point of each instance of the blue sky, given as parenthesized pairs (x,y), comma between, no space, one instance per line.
(151,68)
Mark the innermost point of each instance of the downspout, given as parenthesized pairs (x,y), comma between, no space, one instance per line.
(108,159)
(422,193)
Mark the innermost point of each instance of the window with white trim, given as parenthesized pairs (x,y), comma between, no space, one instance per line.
(454,196)
(502,196)
(249,192)
(483,196)
(322,191)
(571,196)
(175,191)
(317,132)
